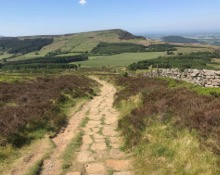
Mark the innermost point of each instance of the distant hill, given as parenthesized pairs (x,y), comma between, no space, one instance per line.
(179,39)
(122,34)
(66,44)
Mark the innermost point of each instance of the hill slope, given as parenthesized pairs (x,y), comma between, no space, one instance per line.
(72,44)
(179,39)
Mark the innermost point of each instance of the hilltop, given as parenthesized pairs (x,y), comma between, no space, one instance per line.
(179,39)
(66,44)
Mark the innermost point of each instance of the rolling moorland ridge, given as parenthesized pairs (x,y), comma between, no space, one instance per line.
(87,103)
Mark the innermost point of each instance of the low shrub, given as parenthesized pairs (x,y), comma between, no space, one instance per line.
(182,106)
(36,106)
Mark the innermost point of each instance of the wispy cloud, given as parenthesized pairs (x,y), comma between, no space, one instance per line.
(82,2)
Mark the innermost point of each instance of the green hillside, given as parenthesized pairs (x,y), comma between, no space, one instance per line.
(70,44)
(179,39)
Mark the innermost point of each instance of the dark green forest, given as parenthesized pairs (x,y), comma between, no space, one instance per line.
(39,66)
(197,60)
(15,45)
(117,48)
(52,59)
(45,63)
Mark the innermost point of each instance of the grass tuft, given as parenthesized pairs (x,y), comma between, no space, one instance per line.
(69,153)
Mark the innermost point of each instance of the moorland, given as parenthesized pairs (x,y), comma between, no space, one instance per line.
(70,100)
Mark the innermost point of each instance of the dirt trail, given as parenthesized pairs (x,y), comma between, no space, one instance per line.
(53,165)
(100,151)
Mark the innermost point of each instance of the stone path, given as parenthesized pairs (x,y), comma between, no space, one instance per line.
(100,152)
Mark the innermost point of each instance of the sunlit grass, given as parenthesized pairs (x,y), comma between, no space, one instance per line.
(168,151)
(123,59)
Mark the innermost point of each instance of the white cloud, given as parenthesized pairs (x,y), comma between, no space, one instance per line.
(82,2)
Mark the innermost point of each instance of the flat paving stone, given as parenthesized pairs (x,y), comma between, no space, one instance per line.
(74,173)
(84,147)
(98,146)
(116,154)
(100,155)
(99,140)
(96,157)
(95,129)
(95,168)
(93,122)
(86,129)
(96,117)
(118,165)
(85,156)
(114,139)
(109,131)
(123,173)
(115,145)
(98,136)
(87,139)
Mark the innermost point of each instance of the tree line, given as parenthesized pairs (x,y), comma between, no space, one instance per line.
(45,63)
(15,45)
(196,60)
(117,48)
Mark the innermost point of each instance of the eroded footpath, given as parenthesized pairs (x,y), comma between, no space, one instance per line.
(100,152)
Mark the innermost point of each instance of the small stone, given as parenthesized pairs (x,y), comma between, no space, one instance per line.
(93,122)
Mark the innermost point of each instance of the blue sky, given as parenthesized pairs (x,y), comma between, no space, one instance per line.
(34,17)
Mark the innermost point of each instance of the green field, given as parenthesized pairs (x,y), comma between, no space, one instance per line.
(188,50)
(119,60)
(74,43)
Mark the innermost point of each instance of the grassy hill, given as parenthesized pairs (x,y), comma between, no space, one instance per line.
(179,39)
(114,47)
(72,44)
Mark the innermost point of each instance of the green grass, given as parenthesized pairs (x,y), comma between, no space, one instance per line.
(69,153)
(163,146)
(211,91)
(103,119)
(80,42)
(107,142)
(164,149)
(168,151)
(187,50)
(14,77)
(5,55)
(123,59)
(85,120)
(35,170)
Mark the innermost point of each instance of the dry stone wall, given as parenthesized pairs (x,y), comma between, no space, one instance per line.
(206,78)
